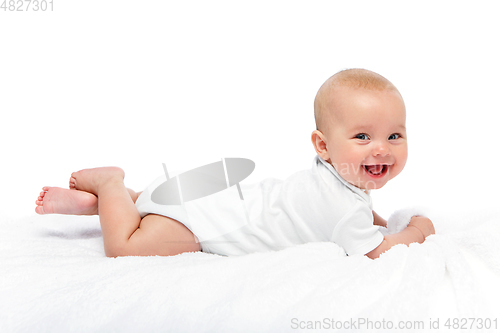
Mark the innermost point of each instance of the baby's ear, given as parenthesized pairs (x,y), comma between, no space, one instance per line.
(319,142)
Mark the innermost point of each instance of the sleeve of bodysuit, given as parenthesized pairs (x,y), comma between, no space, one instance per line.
(355,232)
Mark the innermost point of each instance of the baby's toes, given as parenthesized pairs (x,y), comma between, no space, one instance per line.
(40,197)
(39,210)
(72,183)
(39,204)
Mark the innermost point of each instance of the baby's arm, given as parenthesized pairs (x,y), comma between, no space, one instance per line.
(377,220)
(417,230)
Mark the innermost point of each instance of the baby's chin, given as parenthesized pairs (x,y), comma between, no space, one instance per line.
(368,185)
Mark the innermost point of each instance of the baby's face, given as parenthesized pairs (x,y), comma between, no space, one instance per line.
(366,136)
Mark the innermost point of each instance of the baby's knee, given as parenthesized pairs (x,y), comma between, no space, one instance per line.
(117,250)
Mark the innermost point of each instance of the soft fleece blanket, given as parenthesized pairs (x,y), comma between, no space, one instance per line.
(55,278)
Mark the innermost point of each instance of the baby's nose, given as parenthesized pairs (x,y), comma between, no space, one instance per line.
(381,149)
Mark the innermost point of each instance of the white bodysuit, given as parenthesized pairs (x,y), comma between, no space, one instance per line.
(315,205)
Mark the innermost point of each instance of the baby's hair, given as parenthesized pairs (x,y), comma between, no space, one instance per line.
(356,78)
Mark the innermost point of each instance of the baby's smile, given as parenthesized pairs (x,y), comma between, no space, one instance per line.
(377,170)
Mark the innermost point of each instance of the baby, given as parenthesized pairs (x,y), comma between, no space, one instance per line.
(361,144)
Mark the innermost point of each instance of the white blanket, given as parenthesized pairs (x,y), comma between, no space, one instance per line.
(55,278)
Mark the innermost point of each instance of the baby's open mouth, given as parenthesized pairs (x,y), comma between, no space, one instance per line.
(377,169)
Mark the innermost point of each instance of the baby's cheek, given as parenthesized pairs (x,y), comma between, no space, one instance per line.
(396,169)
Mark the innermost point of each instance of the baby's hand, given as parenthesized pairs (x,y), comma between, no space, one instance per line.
(423,224)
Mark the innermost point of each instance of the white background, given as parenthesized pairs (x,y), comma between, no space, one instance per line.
(138,83)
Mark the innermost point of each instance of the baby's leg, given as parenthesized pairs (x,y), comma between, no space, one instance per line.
(56,200)
(124,233)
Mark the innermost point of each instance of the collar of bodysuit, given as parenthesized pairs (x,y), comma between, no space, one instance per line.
(365,195)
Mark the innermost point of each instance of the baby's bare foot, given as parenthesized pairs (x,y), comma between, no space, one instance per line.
(89,180)
(56,200)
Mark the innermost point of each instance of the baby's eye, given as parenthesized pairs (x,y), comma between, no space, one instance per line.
(394,136)
(362,136)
